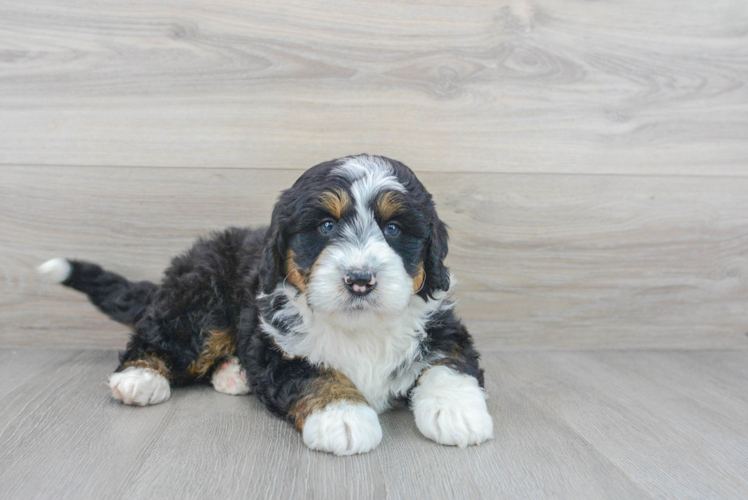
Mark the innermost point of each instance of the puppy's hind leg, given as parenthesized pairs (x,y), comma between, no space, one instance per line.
(229,378)
(143,381)
(218,361)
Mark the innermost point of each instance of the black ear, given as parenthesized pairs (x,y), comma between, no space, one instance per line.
(272,264)
(437,246)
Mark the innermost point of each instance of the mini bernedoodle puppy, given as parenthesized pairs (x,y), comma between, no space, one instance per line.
(336,312)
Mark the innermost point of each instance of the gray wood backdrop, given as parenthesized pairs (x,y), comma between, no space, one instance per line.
(590,157)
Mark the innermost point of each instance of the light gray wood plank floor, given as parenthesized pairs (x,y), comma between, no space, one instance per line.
(602,424)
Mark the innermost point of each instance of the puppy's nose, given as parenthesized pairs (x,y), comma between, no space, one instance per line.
(360,282)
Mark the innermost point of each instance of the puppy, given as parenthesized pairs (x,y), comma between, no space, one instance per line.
(333,314)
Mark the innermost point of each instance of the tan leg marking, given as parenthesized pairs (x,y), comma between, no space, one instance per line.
(331,387)
(218,346)
(149,361)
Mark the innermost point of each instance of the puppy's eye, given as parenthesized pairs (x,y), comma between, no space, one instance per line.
(327,227)
(391,230)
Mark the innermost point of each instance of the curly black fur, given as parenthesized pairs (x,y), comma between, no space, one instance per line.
(216,284)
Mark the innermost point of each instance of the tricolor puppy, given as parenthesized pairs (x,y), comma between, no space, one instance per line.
(330,316)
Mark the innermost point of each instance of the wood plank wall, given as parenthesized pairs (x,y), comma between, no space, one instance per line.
(590,157)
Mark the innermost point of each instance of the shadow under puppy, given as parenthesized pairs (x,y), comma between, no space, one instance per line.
(331,315)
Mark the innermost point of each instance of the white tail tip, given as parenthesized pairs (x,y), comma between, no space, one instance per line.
(55,270)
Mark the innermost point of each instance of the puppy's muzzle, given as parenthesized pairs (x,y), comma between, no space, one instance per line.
(360,282)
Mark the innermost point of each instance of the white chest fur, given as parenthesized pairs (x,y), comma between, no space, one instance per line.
(378,358)
(378,354)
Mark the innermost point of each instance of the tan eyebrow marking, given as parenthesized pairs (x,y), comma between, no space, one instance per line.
(337,202)
(389,204)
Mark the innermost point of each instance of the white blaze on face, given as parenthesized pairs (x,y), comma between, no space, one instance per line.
(361,246)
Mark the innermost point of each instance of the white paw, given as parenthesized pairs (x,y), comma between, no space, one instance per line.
(229,378)
(139,386)
(55,270)
(343,429)
(450,408)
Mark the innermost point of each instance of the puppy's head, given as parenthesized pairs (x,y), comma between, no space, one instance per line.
(357,234)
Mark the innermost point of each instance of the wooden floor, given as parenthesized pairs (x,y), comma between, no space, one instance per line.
(604,424)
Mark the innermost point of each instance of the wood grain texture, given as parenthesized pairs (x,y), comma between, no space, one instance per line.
(605,424)
(507,85)
(542,261)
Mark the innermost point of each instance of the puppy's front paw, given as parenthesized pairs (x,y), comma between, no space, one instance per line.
(450,408)
(139,386)
(343,429)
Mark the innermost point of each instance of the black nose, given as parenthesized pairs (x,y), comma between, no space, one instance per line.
(360,282)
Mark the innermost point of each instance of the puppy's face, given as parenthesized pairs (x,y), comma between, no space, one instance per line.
(357,234)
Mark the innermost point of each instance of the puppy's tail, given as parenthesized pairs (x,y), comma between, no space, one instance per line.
(122,300)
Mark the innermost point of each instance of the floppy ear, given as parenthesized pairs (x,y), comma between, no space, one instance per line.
(437,274)
(272,264)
